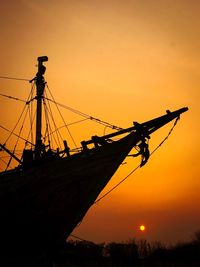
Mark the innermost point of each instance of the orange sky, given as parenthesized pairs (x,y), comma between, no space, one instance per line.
(121,61)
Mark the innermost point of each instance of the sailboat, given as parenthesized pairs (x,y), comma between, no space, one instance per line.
(49,192)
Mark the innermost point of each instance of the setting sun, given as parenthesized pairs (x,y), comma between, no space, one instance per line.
(142,228)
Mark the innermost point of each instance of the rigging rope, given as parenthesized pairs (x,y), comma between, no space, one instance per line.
(12,78)
(62,118)
(47,123)
(2,127)
(175,123)
(48,110)
(12,97)
(68,124)
(86,116)
(4,160)
(31,116)
(18,138)
(19,118)
(113,188)
(81,239)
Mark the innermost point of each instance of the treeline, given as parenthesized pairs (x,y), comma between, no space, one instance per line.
(133,253)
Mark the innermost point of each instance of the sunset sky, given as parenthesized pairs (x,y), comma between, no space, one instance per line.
(120,61)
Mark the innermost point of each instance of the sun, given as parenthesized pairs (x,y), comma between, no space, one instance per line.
(142,227)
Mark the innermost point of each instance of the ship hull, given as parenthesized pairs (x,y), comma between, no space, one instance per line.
(41,206)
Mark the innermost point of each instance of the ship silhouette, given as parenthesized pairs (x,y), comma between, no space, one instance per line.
(44,198)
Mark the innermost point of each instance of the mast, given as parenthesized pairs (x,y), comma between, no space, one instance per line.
(40,85)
